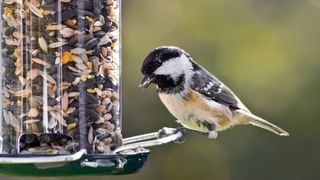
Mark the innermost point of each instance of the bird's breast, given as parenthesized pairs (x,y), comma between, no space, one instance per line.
(192,109)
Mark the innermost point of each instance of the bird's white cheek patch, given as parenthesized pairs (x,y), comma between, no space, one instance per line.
(175,67)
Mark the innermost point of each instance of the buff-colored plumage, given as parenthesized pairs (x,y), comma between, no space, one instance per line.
(196,109)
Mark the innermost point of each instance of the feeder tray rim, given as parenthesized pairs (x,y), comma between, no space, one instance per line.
(131,146)
(126,159)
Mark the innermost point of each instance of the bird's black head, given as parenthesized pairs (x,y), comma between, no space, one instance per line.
(167,67)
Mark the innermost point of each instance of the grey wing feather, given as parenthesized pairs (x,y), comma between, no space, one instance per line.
(210,87)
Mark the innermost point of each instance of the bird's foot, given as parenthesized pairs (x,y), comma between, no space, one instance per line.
(212,134)
(164,132)
(181,139)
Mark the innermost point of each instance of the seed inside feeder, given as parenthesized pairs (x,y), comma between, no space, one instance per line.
(60,74)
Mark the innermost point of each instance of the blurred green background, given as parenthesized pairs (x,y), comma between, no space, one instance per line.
(267,51)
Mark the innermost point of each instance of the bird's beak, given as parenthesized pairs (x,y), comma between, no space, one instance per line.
(146,81)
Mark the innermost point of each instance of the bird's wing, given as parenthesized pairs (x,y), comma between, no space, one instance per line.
(212,88)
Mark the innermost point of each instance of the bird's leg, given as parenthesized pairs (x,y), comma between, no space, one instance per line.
(212,131)
(180,129)
(185,130)
(165,132)
(180,140)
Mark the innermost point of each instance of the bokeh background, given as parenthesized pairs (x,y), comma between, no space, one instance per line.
(267,51)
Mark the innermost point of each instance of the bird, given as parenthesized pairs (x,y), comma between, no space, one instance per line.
(196,98)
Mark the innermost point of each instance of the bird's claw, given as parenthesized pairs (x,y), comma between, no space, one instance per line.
(164,132)
(182,131)
(179,141)
(212,134)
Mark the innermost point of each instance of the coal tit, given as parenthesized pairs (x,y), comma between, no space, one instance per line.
(198,99)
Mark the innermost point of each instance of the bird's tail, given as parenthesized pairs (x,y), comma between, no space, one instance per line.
(257,121)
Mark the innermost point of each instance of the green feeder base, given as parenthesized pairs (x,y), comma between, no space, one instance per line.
(96,165)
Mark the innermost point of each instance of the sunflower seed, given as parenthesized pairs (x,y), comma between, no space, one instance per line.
(65,101)
(56,27)
(81,66)
(9,1)
(71,110)
(107,117)
(73,94)
(11,42)
(101,108)
(57,44)
(74,69)
(90,135)
(78,50)
(47,77)
(33,112)
(65,1)
(67,32)
(43,44)
(33,73)
(30,121)
(40,61)
(34,9)
(23,93)
(58,117)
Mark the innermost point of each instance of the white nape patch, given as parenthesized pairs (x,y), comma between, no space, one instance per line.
(175,67)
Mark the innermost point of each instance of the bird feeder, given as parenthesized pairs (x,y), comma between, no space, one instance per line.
(61,91)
